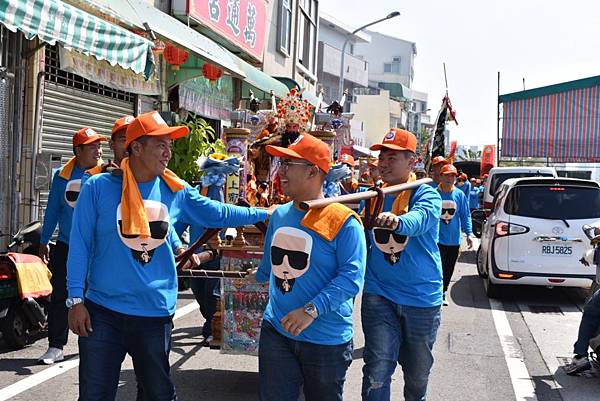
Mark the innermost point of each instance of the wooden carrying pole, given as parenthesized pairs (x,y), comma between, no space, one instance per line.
(200,273)
(360,196)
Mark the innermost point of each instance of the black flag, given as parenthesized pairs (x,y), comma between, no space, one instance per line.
(445,114)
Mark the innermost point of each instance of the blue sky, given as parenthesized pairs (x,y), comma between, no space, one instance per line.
(545,42)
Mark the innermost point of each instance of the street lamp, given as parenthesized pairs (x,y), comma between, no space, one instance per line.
(342,71)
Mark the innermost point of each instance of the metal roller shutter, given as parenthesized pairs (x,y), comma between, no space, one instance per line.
(66,110)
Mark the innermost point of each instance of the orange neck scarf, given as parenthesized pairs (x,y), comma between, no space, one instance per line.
(135,219)
(400,205)
(67,169)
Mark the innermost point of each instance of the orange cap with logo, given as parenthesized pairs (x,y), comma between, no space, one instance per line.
(449,169)
(345,158)
(85,136)
(305,147)
(152,124)
(397,139)
(438,160)
(121,124)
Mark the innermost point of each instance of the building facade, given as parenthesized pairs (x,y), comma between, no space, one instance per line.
(332,36)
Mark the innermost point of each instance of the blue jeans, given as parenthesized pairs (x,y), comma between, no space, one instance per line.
(589,325)
(146,339)
(397,334)
(285,364)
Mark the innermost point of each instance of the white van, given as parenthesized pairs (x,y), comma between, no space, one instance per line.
(534,234)
(498,175)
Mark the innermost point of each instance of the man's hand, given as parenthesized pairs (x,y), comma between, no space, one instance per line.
(296,321)
(79,320)
(469,242)
(387,220)
(44,253)
(251,276)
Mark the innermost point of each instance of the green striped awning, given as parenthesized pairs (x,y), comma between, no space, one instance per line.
(55,21)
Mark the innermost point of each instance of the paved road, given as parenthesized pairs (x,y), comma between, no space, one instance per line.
(499,351)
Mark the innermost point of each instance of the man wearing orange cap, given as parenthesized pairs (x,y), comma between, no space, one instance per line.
(66,184)
(403,281)
(315,263)
(462,183)
(436,165)
(116,143)
(121,279)
(455,217)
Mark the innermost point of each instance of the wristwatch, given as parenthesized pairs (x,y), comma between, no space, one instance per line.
(72,301)
(311,310)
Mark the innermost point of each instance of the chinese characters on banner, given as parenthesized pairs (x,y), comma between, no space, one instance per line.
(235,185)
(241,22)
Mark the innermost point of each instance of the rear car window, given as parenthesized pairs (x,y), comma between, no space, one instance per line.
(498,179)
(554,202)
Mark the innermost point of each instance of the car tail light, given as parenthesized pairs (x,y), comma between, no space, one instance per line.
(6,272)
(487,206)
(503,229)
(556,280)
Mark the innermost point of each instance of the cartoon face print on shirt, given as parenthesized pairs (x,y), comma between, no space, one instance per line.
(448,211)
(389,243)
(142,249)
(72,192)
(290,256)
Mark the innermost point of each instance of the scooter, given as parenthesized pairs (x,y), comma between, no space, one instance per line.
(24,288)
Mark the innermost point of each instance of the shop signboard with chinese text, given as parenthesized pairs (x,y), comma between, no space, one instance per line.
(241,22)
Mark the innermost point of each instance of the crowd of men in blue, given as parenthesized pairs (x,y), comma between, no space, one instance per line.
(115,280)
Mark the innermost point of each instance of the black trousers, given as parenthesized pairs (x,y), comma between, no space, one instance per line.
(449,255)
(58,323)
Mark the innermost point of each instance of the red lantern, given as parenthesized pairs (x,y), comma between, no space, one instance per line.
(175,56)
(212,72)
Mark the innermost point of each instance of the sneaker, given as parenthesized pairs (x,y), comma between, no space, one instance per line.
(51,356)
(578,364)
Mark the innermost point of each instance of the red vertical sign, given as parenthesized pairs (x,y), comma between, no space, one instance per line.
(241,22)
(488,157)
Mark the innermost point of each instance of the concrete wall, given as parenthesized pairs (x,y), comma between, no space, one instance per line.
(381,50)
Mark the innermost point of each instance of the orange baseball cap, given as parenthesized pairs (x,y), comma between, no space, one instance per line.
(398,139)
(120,124)
(438,160)
(85,136)
(152,124)
(305,147)
(347,159)
(449,169)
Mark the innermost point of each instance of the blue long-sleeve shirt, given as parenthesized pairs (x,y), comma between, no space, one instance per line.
(131,275)
(61,201)
(404,266)
(455,217)
(465,188)
(474,197)
(303,267)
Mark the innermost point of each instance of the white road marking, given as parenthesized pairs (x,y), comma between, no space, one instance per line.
(513,355)
(63,367)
